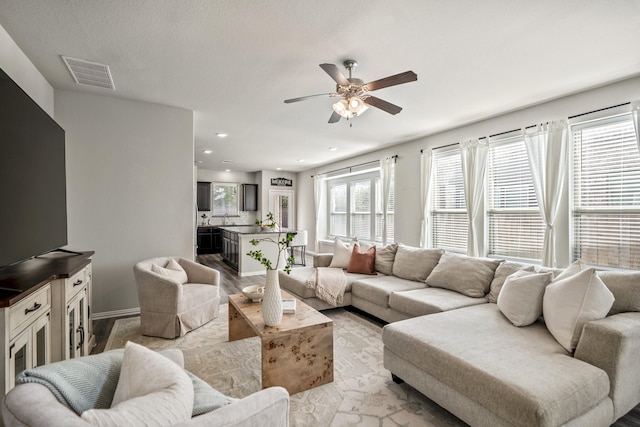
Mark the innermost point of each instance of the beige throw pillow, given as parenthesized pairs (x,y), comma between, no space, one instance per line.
(574,267)
(415,263)
(384,258)
(625,287)
(464,274)
(341,254)
(571,302)
(520,299)
(503,271)
(172,270)
(152,391)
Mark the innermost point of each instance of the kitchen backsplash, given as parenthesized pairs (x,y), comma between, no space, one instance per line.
(244,218)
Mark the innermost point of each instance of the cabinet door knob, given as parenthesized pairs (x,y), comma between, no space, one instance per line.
(35,307)
(78,282)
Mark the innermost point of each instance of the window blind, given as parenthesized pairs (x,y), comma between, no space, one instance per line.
(338,209)
(516,229)
(606,196)
(361,198)
(225,199)
(449,210)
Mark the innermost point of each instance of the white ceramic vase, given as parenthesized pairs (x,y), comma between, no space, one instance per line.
(272,300)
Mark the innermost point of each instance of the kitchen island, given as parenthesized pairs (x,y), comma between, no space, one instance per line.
(236,242)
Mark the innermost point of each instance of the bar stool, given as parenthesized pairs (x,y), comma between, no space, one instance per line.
(299,241)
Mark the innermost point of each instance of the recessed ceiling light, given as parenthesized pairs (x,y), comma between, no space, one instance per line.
(222,134)
(278,169)
(300,160)
(207,151)
(227,170)
(333,148)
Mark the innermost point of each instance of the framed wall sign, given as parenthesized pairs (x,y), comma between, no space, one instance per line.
(282,182)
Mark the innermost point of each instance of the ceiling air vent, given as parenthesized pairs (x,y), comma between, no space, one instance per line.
(89,73)
(228,162)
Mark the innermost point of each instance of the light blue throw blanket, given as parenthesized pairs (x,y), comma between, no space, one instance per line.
(82,383)
(90,382)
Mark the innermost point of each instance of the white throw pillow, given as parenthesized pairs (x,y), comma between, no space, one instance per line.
(571,302)
(520,298)
(574,268)
(172,270)
(341,254)
(152,391)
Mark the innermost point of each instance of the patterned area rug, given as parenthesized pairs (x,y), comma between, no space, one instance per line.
(362,393)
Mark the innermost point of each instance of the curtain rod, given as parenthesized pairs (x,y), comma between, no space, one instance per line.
(394,157)
(532,126)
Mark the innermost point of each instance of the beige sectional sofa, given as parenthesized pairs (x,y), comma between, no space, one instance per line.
(450,338)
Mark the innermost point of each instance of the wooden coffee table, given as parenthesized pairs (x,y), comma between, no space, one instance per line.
(297,354)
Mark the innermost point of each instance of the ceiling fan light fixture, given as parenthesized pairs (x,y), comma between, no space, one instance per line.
(342,107)
(355,104)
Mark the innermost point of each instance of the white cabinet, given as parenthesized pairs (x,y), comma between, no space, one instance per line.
(72,326)
(29,326)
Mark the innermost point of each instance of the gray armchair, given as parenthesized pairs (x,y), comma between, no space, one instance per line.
(169,308)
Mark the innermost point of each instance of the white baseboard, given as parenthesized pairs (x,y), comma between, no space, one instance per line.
(116,313)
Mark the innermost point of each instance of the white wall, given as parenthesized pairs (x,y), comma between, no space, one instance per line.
(129,188)
(407,197)
(16,64)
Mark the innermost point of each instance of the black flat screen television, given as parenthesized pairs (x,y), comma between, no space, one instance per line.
(33,197)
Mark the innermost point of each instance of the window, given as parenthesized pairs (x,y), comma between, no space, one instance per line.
(516,229)
(606,193)
(355,207)
(449,209)
(225,199)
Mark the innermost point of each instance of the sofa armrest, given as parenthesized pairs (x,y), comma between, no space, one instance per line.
(199,273)
(322,260)
(265,408)
(613,344)
(34,405)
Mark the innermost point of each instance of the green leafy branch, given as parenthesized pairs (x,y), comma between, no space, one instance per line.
(281,242)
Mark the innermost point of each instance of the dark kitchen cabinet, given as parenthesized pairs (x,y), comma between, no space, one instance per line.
(204,196)
(250,197)
(209,240)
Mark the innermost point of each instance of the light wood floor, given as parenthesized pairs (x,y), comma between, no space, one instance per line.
(231,283)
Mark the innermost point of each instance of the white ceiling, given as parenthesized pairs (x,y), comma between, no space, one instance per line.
(234,62)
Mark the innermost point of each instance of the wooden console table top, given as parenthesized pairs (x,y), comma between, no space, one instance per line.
(20,280)
(297,354)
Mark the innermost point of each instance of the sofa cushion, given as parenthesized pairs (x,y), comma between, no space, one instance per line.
(341,254)
(503,271)
(415,263)
(385,255)
(152,390)
(296,281)
(468,275)
(362,262)
(625,287)
(572,269)
(418,302)
(571,302)
(172,270)
(520,374)
(520,299)
(378,289)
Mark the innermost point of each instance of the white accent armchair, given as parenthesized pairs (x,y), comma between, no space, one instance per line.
(171,307)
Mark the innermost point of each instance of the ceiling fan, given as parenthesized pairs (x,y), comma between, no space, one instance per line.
(354,93)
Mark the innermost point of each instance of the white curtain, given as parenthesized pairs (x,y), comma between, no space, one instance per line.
(474,164)
(386,173)
(426,164)
(635,112)
(318,184)
(547,153)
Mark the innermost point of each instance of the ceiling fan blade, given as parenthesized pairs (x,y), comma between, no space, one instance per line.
(302,98)
(335,74)
(398,79)
(382,104)
(335,118)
